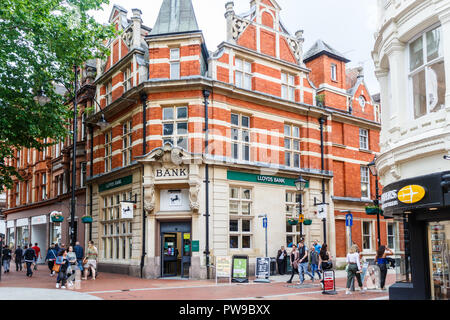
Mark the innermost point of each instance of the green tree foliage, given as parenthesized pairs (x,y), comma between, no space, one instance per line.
(41,41)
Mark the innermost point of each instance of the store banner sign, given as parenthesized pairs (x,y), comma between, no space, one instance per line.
(415,193)
(22,223)
(39,220)
(126,210)
(10,224)
(115,183)
(258,178)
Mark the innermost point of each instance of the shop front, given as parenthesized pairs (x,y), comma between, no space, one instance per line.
(421,206)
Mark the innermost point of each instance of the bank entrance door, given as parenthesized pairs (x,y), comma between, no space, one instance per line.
(175,249)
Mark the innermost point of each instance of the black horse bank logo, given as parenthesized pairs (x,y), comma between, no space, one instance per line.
(171,173)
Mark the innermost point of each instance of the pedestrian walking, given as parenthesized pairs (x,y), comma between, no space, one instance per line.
(18,258)
(314,255)
(353,269)
(50,258)
(6,258)
(294,263)
(281,260)
(303,263)
(62,248)
(62,264)
(72,258)
(91,260)
(38,255)
(381,261)
(29,256)
(78,249)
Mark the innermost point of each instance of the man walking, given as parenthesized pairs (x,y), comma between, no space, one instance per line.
(281,260)
(303,263)
(6,258)
(51,257)
(80,254)
(29,256)
(38,254)
(18,258)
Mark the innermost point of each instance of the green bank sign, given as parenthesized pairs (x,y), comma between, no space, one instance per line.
(115,183)
(251,177)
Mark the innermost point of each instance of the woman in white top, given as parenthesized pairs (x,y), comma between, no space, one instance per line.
(354,269)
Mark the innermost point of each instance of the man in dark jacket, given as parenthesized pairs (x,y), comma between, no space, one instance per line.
(29,256)
(51,257)
(80,254)
(18,258)
(281,260)
(6,258)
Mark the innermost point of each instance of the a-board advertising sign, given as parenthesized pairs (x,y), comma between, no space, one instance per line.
(262,268)
(328,280)
(240,269)
(223,267)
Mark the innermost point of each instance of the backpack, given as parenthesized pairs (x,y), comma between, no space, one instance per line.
(59,260)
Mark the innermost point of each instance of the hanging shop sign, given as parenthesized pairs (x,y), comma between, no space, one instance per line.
(115,183)
(251,177)
(126,210)
(38,220)
(240,269)
(410,194)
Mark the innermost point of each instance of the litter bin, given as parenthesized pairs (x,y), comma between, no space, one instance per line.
(273,266)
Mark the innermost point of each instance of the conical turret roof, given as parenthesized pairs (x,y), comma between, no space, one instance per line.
(175,16)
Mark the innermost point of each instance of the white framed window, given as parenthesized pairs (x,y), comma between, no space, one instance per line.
(392,235)
(109,93)
(367,235)
(27,191)
(291,146)
(175,126)
(108,151)
(243,74)
(364,139)
(291,209)
(127,143)
(127,79)
(116,233)
(240,137)
(365,183)
(287,86)
(44,186)
(17,194)
(83,174)
(333,72)
(427,73)
(240,218)
(83,126)
(175,63)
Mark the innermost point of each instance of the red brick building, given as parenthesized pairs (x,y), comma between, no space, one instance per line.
(153,213)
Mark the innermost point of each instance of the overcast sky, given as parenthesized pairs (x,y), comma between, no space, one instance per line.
(346,25)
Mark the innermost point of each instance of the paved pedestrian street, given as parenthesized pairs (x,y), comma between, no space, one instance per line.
(107,286)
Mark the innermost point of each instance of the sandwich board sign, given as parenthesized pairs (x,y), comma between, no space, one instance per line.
(262,270)
(223,268)
(239,269)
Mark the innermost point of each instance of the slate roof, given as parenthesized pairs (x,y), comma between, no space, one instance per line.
(320,48)
(175,16)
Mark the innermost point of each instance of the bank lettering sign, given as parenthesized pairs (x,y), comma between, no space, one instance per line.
(251,177)
(164,173)
(115,183)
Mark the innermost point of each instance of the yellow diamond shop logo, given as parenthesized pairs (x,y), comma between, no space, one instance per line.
(411,194)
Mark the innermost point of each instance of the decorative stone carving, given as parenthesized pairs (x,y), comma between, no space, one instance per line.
(238,27)
(193,196)
(128,37)
(150,199)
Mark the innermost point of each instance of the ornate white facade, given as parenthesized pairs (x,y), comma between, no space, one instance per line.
(412,60)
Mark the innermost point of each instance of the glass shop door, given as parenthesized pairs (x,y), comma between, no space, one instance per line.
(439,250)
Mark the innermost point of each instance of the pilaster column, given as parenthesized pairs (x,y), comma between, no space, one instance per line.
(445,22)
(386,107)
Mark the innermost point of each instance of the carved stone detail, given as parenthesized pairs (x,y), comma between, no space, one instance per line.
(150,199)
(193,196)
(128,37)
(238,27)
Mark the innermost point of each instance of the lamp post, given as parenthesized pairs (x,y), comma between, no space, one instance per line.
(300,185)
(373,170)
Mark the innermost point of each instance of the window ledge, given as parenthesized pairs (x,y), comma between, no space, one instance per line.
(365,151)
(338,145)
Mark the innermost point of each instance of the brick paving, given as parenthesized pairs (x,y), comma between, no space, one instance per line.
(120,287)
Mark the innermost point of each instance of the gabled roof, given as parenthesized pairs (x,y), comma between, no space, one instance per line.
(319,48)
(175,16)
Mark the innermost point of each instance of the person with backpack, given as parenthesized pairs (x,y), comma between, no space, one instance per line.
(29,256)
(38,255)
(18,258)
(51,257)
(303,262)
(6,258)
(314,255)
(61,265)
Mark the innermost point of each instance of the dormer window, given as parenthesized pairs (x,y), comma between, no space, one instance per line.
(108,93)
(127,84)
(362,102)
(175,63)
(287,86)
(333,72)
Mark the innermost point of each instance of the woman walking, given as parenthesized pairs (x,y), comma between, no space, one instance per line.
(63,264)
(72,257)
(295,258)
(381,262)
(324,261)
(314,261)
(353,269)
(91,257)
(51,257)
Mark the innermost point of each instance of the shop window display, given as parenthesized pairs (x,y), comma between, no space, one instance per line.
(439,251)
(402,252)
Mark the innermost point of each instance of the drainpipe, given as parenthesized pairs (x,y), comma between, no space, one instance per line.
(206,94)
(144,152)
(91,174)
(324,220)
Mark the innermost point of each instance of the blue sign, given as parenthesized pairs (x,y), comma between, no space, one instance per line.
(265,223)
(349,220)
